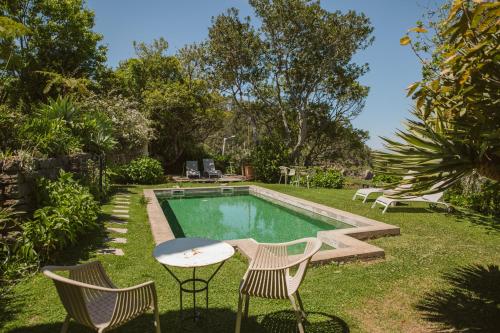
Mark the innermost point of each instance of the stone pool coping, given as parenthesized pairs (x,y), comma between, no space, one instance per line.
(348,242)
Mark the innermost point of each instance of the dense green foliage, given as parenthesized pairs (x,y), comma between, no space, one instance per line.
(143,170)
(60,128)
(484,199)
(386,179)
(58,39)
(328,179)
(183,111)
(68,211)
(457,123)
(267,157)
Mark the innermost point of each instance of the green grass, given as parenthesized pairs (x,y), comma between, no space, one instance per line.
(379,296)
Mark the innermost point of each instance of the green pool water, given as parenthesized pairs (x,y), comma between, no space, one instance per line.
(241,216)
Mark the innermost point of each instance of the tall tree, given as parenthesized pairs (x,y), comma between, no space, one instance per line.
(60,40)
(296,65)
(182,108)
(456,129)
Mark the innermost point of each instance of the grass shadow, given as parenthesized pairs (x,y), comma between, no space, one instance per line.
(318,322)
(491,223)
(9,305)
(470,303)
(214,320)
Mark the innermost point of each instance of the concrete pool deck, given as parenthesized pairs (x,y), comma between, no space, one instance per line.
(348,243)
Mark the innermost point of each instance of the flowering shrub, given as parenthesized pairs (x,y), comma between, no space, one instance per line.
(131,127)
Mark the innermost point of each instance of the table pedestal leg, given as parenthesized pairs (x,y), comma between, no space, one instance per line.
(183,288)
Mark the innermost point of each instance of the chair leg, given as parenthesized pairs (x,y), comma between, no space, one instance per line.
(157,319)
(297,314)
(385,208)
(247,303)
(65,325)
(238,316)
(301,305)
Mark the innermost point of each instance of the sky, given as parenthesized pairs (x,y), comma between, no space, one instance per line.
(180,22)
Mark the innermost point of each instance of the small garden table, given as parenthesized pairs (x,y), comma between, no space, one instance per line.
(192,253)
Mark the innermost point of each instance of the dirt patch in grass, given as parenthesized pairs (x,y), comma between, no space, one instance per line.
(395,311)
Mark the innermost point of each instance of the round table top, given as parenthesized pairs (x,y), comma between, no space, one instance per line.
(192,252)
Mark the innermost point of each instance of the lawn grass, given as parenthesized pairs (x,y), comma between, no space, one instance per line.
(379,296)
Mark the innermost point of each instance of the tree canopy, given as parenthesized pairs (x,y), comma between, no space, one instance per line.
(57,38)
(293,74)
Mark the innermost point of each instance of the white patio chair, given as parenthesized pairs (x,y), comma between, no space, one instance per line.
(283,174)
(269,276)
(91,299)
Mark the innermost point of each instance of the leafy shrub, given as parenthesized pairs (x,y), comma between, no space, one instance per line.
(68,211)
(61,128)
(328,179)
(144,170)
(485,200)
(386,179)
(49,136)
(267,157)
(9,226)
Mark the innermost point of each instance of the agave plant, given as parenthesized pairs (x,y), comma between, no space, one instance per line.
(457,125)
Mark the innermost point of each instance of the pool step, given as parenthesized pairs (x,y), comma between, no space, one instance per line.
(178,193)
(227,190)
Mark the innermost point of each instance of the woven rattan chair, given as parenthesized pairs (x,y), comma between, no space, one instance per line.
(268,276)
(91,299)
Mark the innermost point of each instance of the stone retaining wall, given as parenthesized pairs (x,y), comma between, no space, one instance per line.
(18,182)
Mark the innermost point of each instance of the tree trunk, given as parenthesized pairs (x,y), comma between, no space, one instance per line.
(490,168)
(301,137)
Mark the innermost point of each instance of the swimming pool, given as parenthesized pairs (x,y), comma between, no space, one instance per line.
(244,215)
(239,216)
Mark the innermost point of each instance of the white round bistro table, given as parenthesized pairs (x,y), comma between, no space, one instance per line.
(192,253)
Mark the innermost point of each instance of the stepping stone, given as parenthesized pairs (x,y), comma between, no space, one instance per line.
(122,196)
(118,230)
(121,207)
(117,221)
(116,240)
(120,216)
(116,252)
(120,211)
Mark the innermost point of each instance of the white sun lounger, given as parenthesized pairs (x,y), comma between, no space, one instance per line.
(365,192)
(428,198)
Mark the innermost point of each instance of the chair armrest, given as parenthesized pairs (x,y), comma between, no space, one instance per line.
(294,242)
(272,246)
(132,301)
